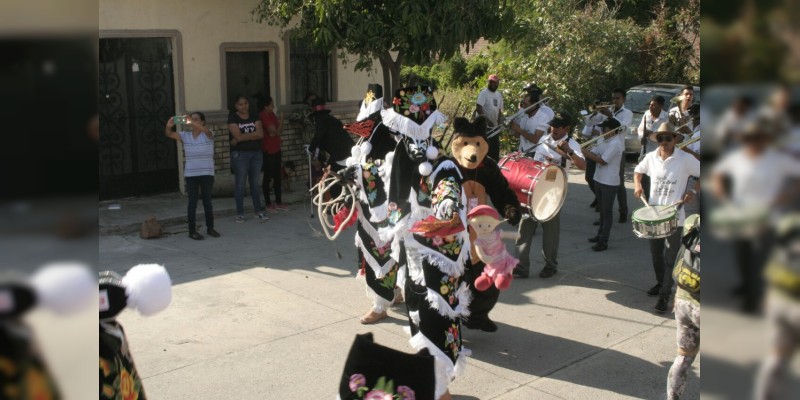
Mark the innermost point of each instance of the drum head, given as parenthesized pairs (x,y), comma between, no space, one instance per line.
(646,214)
(549,193)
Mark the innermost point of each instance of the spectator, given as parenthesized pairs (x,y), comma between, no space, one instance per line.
(198,170)
(271,149)
(246,135)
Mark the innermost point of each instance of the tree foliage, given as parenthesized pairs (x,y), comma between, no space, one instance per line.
(395,33)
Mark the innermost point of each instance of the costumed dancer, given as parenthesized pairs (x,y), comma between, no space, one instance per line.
(483,181)
(61,288)
(370,165)
(145,288)
(426,195)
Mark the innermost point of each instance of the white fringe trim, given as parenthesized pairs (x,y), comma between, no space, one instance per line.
(379,213)
(446,371)
(408,127)
(368,109)
(438,303)
(380,270)
(379,304)
(414,319)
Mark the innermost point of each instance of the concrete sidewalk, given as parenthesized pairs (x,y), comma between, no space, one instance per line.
(270,309)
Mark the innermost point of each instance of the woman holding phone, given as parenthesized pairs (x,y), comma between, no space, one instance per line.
(198,147)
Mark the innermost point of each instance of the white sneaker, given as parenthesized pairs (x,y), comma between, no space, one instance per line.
(262,216)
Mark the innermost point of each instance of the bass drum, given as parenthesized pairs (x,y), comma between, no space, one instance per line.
(540,187)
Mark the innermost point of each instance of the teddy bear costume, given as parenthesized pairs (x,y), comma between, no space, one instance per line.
(426,204)
(483,181)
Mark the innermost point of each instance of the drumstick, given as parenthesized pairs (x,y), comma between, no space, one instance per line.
(646,203)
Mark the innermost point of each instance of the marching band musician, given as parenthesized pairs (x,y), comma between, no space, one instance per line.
(669,171)
(558,148)
(652,119)
(531,126)
(490,105)
(625,117)
(694,148)
(607,154)
(681,114)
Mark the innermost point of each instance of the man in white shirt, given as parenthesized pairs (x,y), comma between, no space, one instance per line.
(669,171)
(694,148)
(557,148)
(625,117)
(531,126)
(607,154)
(490,105)
(652,118)
(758,175)
(680,114)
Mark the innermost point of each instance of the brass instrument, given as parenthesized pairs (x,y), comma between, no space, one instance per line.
(678,101)
(687,142)
(507,123)
(591,142)
(594,107)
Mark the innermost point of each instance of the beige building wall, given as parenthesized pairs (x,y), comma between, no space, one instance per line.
(202,26)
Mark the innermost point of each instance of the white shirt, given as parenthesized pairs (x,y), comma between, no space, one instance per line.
(676,113)
(757,181)
(536,122)
(547,155)
(623,115)
(492,103)
(610,150)
(198,154)
(668,177)
(695,147)
(651,124)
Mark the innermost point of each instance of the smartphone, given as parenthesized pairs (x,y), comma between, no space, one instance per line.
(180,120)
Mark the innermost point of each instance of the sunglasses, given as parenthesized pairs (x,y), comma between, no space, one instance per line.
(664,138)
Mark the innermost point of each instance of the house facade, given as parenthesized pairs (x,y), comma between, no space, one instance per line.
(162,58)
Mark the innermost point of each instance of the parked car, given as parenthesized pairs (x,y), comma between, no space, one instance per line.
(638,99)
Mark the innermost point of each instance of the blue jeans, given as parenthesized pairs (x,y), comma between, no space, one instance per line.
(247,167)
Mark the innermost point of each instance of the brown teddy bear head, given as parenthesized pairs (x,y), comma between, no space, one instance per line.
(469,146)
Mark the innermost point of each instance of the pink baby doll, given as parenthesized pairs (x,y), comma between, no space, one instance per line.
(490,248)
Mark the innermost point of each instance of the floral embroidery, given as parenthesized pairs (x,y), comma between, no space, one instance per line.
(126,384)
(448,288)
(390,279)
(448,245)
(424,190)
(382,390)
(370,174)
(446,189)
(413,102)
(453,340)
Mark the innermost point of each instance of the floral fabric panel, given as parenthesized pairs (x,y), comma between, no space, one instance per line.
(23,374)
(446,198)
(118,377)
(373,184)
(381,390)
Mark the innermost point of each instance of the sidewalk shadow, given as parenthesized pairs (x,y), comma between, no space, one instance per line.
(541,355)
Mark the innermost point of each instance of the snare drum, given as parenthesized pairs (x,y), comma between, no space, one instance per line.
(540,187)
(648,224)
(737,222)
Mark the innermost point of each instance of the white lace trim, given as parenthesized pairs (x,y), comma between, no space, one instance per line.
(440,304)
(368,109)
(446,371)
(379,304)
(408,127)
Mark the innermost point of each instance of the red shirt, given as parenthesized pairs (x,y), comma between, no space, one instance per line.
(270,144)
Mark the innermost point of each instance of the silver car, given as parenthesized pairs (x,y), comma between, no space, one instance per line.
(638,99)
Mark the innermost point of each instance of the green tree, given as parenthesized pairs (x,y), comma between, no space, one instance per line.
(395,33)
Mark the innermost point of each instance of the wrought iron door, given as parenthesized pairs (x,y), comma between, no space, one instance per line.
(136,99)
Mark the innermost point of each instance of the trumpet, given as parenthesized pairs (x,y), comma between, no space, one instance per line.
(594,107)
(687,142)
(590,143)
(500,127)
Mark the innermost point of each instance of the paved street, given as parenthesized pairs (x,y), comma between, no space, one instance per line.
(269,310)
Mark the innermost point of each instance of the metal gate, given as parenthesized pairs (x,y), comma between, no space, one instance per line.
(136,98)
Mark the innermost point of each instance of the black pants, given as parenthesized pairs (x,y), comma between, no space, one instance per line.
(591,166)
(646,186)
(203,183)
(482,301)
(751,256)
(494,147)
(272,173)
(605,198)
(622,193)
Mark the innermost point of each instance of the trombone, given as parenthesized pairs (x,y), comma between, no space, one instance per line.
(687,142)
(500,127)
(591,142)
